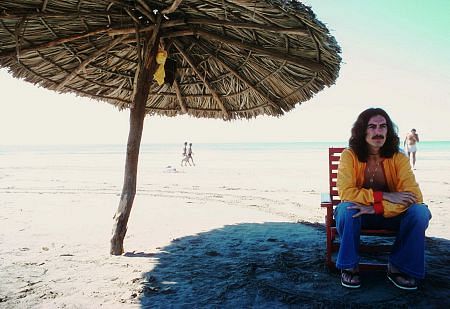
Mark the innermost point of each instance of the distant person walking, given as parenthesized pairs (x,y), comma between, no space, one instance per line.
(189,155)
(410,144)
(185,159)
(184,149)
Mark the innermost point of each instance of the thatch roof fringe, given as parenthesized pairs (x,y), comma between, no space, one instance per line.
(256,56)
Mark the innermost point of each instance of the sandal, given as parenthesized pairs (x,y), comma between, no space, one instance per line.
(350,279)
(396,279)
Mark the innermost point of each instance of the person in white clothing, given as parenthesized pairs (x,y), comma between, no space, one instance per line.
(410,144)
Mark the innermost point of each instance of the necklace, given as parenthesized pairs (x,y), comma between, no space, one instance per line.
(373,173)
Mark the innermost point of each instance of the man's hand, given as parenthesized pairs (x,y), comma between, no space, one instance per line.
(363,210)
(403,198)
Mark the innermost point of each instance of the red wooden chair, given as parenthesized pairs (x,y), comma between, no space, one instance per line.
(330,200)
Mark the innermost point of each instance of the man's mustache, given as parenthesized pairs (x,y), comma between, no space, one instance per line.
(378,137)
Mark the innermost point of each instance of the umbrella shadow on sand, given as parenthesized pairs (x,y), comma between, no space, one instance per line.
(276,265)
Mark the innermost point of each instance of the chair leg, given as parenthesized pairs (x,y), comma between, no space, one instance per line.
(330,236)
(329,261)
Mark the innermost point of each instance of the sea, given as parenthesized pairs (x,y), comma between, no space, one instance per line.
(277,166)
(428,150)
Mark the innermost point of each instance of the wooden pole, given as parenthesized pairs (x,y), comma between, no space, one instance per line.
(137,115)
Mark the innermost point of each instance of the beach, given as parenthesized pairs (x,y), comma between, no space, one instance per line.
(242,228)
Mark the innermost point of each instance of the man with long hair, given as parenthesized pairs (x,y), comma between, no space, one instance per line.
(378,190)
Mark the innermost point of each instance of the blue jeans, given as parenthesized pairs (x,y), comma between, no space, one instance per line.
(408,252)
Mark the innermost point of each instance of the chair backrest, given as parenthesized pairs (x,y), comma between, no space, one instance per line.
(334,155)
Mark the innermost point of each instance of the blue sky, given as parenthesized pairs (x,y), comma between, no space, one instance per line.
(396,55)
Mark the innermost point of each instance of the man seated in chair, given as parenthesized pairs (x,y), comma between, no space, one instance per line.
(378,190)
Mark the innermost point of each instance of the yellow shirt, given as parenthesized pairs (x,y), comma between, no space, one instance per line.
(399,178)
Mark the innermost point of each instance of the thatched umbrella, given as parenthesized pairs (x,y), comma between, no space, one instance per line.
(222,59)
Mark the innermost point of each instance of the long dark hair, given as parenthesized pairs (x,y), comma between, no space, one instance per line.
(358,143)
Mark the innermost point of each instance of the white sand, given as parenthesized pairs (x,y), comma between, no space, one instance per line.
(56,218)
